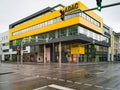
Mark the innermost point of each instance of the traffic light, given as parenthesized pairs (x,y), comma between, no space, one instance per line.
(99,4)
(62,12)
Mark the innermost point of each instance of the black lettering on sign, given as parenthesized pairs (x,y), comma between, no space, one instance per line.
(72,7)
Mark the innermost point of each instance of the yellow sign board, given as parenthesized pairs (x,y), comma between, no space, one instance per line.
(77,49)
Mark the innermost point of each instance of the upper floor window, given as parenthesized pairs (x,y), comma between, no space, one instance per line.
(55,20)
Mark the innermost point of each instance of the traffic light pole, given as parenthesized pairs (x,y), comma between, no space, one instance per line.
(105,6)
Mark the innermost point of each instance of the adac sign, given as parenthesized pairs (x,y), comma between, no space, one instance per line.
(71,7)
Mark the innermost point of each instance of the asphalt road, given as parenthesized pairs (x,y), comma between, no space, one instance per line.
(103,76)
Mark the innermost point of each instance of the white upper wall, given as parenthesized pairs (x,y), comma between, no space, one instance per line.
(4,37)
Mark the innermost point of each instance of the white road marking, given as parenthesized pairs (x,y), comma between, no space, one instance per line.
(98,86)
(69,81)
(54,78)
(109,88)
(60,87)
(41,88)
(78,82)
(78,71)
(49,78)
(61,80)
(88,84)
(53,85)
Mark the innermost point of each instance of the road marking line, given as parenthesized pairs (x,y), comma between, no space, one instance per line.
(40,88)
(77,71)
(69,81)
(61,80)
(78,82)
(109,88)
(4,82)
(98,86)
(88,84)
(49,78)
(29,78)
(42,76)
(54,78)
(37,76)
(60,87)
(23,79)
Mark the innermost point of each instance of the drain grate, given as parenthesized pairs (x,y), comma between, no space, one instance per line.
(6,73)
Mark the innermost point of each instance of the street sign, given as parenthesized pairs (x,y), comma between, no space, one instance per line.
(77,49)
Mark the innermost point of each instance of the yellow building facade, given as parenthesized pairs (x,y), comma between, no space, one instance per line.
(76,39)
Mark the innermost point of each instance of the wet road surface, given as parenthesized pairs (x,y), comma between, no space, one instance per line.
(105,76)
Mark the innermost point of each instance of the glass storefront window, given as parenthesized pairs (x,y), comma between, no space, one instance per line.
(73,30)
(81,30)
(52,35)
(18,42)
(14,43)
(62,33)
(41,48)
(41,36)
(97,37)
(56,48)
(27,40)
(33,39)
(55,20)
(88,34)
(93,35)
(58,19)
(97,47)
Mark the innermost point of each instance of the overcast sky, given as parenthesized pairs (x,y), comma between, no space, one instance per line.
(14,10)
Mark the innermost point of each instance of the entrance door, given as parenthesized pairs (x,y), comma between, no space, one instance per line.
(47,54)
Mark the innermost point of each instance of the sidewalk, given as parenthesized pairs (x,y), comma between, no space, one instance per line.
(11,67)
(81,63)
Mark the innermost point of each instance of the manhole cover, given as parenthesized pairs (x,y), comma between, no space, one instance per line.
(6,73)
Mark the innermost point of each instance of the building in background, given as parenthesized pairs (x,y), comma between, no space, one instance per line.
(78,38)
(116,46)
(5,51)
(108,32)
(0,51)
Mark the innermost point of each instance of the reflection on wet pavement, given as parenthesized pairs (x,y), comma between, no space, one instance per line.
(88,77)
